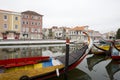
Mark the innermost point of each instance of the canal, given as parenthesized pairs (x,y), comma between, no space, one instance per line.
(93,67)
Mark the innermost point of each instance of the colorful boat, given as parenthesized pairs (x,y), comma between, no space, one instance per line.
(105,46)
(48,68)
(8,63)
(115,52)
(97,50)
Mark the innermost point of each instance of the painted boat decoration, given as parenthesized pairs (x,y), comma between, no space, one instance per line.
(47,69)
(106,46)
(103,47)
(97,50)
(115,52)
(8,63)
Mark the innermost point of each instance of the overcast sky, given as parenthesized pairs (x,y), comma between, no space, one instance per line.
(100,15)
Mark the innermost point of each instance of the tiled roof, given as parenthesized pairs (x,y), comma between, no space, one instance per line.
(5,10)
(78,28)
(31,13)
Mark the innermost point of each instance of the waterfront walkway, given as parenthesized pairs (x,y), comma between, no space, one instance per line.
(24,42)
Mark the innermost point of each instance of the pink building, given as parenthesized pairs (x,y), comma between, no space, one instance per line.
(31,25)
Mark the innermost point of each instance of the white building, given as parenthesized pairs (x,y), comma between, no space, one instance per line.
(76,33)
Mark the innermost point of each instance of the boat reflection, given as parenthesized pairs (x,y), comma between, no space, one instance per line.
(93,60)
(75,74)
(112,68)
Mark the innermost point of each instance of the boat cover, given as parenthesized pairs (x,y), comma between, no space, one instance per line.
(74,56)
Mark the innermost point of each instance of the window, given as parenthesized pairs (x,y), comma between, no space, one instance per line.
(39,17)
(23,22)
(5,17)
(32,23)
(16,26)
(16,18)
(38,24)
(32,17)
(26,22)
(5,26)
(27,16)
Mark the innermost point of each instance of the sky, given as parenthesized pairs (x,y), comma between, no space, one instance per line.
(99,15)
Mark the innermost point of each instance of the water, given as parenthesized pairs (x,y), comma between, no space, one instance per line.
(93,67)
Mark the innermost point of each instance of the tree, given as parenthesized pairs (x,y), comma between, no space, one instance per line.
(118,34)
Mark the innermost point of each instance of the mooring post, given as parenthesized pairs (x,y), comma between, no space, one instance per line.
(67,57)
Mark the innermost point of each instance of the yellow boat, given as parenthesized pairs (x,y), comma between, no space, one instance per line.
(100,49)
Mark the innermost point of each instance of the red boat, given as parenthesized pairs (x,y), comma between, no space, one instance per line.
(22,61)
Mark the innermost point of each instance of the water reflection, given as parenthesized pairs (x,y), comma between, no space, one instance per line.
(31,51)
(113,68)
(93,67)
(74,74)
(93,60)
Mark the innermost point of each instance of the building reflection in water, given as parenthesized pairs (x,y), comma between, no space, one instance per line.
(93,60)
(112,69)
(31,51)
(93,67)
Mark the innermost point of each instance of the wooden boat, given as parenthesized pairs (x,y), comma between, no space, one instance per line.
(44,70)
(8,63)
(105,46)
(97,50)
(115,52)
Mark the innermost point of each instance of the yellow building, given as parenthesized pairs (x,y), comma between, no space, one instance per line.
(10,24)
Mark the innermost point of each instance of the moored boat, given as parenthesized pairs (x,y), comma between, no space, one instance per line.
(46,69)
(115,52)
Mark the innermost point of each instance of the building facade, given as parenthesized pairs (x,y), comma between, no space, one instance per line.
(31,25)
(76,33)
(10,24)
(109,35)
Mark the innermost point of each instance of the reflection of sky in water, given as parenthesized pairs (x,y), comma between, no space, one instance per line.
(99,71)
(117,75)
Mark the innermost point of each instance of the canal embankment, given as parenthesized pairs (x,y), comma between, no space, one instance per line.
(31,42)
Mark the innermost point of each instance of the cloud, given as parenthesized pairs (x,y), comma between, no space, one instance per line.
(100,15)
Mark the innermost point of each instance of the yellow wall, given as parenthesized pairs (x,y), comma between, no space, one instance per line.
(11,22)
